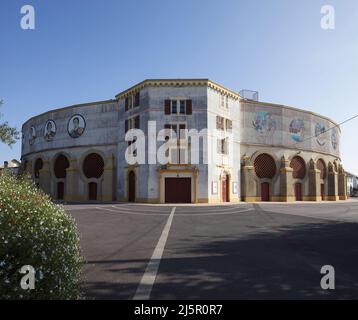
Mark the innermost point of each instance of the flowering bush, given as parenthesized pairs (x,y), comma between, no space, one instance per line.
(36,232)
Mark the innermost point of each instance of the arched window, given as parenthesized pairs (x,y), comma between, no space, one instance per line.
(321,166)
(61,164)
(299,167)
(38,166)
(93,166)
(265,166)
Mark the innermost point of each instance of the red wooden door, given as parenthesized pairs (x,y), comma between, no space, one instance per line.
(131,187)
(224,191)
(178,190)
(92,191)
(60,190)
(265,192)
(298,192)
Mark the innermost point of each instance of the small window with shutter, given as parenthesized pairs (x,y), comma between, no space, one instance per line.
(189,107)
(126,126)
(228,125)
(137,99)
(174,106)
(178,107)
(218,122)
(136,122)
(182,107)
(167,106)
(126,104)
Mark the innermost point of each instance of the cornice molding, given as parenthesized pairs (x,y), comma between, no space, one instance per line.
(178,83)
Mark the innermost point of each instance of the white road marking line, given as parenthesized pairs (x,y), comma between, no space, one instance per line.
(146,284)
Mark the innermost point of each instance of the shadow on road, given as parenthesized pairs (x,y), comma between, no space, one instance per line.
(262,264)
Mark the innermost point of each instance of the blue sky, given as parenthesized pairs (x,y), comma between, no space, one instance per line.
(88,50)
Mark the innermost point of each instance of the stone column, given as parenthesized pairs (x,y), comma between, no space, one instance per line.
(72,182)
(332,184)
(108,180)
(248,182)
(229,191)
(160,187)
(342,184)
(286,181)
(314,182)
(45,177)
(196,186)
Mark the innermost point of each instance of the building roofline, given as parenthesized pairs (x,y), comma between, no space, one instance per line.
(70,107)
(182,82)
(178,83)
(292,108)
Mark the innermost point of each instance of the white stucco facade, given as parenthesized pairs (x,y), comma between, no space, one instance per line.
(77,153)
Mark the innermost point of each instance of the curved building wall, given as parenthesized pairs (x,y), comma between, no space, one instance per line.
(285,134)
(280,126)
(74,132)
(77,153)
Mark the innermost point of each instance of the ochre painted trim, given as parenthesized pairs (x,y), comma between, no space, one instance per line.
(312,198)
(148,200)
(251,199)
(283,199)
(176,170)
(332,198)
(216,200)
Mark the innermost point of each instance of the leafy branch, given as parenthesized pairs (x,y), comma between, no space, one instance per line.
(8,135)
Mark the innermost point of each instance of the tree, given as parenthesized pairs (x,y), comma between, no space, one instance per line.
(8,135)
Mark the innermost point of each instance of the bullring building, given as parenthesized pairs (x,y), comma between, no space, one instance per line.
(263,151)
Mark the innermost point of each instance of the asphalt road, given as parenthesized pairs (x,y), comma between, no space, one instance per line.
(244,251)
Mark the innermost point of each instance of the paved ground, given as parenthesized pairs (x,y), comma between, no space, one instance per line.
(245,251)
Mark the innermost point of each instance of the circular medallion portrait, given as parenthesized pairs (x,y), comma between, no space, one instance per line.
(32,136)
(320,131)
(297,130)
(49,130)
(76,126)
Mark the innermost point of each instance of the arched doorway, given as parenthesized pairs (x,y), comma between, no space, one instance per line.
(321,166)
(60,167)
(265,192)
(131,186)
(299,172)
(225,197)
(92,191)
(265,169)
(298,191)
(60,191)
(93,168)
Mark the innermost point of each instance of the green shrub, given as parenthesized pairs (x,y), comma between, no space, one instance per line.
(34,231)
